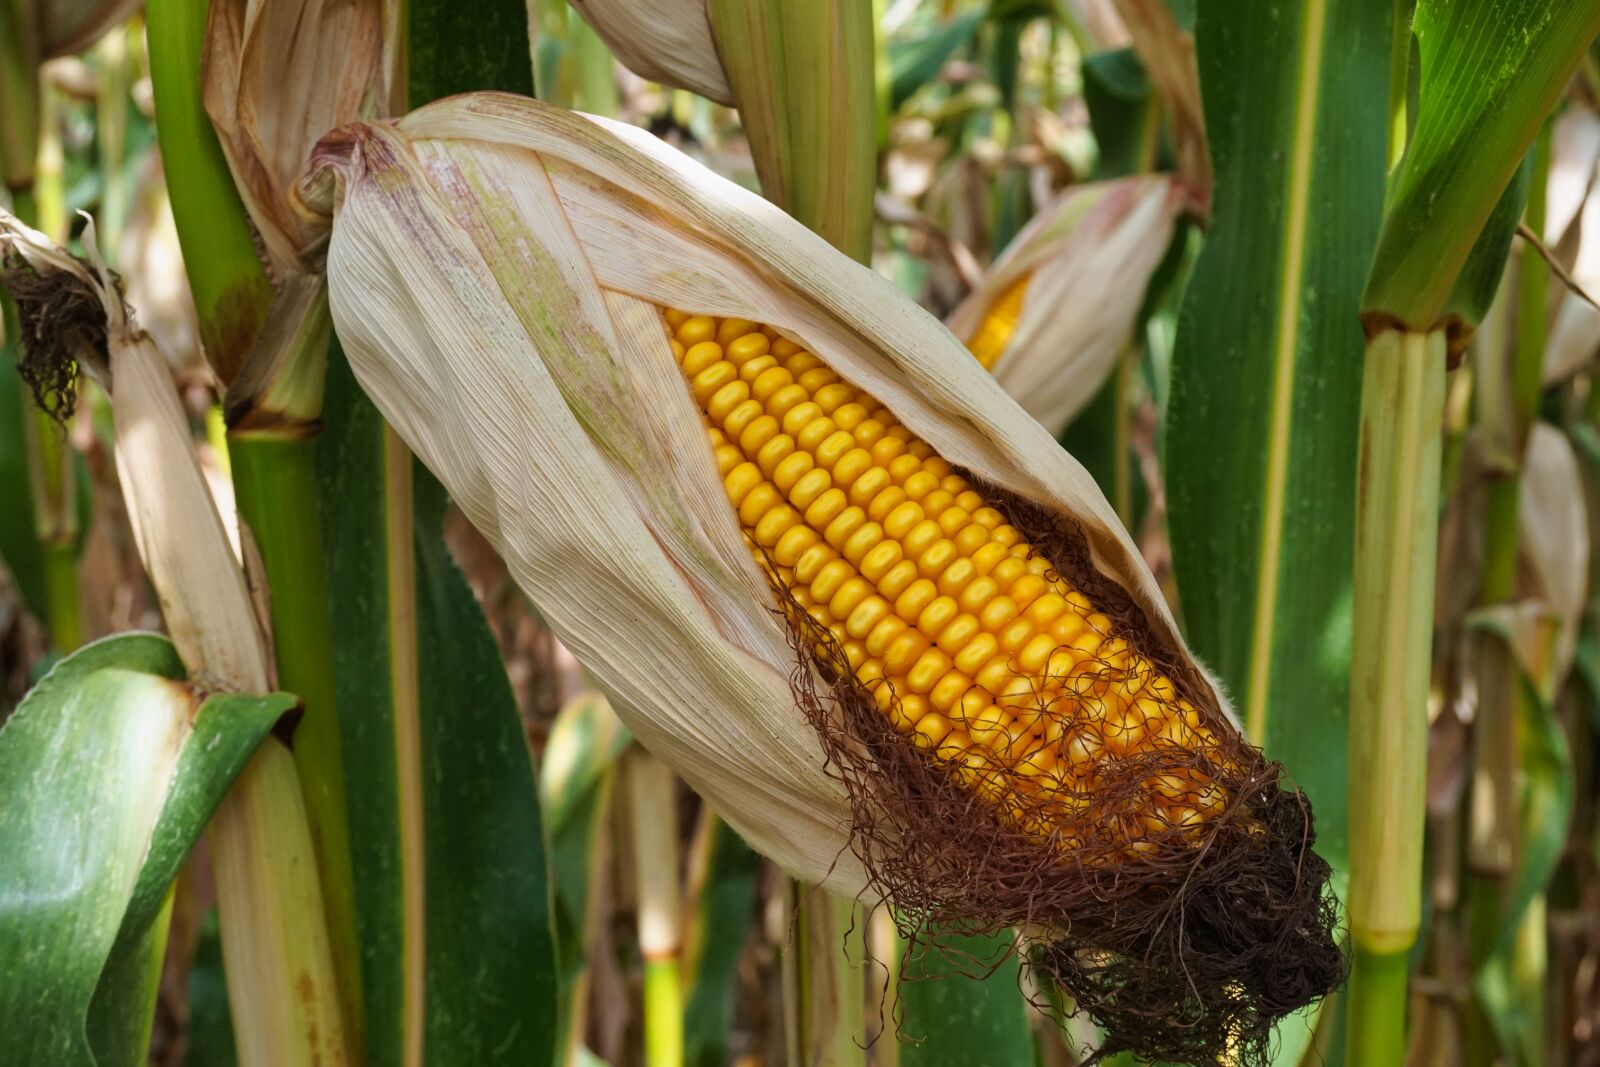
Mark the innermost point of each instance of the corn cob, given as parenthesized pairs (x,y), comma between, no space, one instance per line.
(969,641)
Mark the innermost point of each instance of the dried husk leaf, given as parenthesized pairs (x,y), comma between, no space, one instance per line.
(1553,524)
(277,76)
(666,41)
(1087,260)
(1573,232)
(496,273)
(154,278)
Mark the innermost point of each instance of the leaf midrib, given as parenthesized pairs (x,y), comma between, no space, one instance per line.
(1285,350)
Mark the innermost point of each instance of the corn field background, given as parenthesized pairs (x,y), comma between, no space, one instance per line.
(365,638)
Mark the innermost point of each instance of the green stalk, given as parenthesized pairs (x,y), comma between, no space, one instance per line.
(824,995)
(19,98)
(230,286)
(51,473)
(274,480)
(1402,410)
(61,591)
(271,359)
(596,74)
(111,127)
(814,139)
(653,814)
(1378,984)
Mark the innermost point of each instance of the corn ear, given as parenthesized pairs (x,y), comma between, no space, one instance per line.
(540,304)
(1055,312)
(561,238)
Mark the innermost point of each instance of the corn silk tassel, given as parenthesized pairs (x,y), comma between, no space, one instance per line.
(1058,308)
(821,563)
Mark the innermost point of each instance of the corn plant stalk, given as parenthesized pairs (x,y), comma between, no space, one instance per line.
(1438,260)
(282,989)
(653,820)
(1398,492)
(815,147)
(19,86)
(230,286)
(51,472)
(111,129)
(270,355)
(814,138)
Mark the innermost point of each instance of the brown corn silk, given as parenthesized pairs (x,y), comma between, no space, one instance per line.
(941,627)
(504,277)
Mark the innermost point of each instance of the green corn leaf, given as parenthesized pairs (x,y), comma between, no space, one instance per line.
(970,1018)
(1491,72)
(916,60)
(1122,112)
(1262,420)
(111,768)
(1479,279)
(445,829)
(1266,377)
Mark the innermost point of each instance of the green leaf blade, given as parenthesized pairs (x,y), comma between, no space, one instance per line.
(451,886)
(110,773)
(1491,72)
(1262,423)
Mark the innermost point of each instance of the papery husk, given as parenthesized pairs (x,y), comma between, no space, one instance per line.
(154,278)
(1553,527)
(666,41)
(1088,259)
(1573,232)
(278,75)
(496,270)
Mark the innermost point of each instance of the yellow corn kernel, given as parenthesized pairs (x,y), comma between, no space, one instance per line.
(970,642)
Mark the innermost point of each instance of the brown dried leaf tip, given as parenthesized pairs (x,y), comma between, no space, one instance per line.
(1019,747)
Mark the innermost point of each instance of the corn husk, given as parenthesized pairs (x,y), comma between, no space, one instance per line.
(1572,229)
(276,76)
(153,276)
(495,270)
(1086,261)
(666,41)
